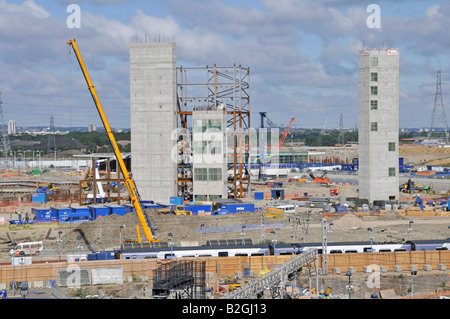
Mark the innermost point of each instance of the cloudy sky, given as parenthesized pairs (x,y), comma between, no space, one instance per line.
(302,54)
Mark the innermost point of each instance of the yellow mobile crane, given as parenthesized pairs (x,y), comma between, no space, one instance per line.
(129,182)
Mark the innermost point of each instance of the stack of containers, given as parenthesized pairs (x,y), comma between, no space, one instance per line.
(116,209)
(44,215)
(98,211)
(61,212)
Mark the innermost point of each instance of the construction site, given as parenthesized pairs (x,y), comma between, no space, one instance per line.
(211,206)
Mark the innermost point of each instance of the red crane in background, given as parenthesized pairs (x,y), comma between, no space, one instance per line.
(285,133)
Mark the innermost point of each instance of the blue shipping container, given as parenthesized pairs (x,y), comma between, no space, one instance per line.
(259,195)
(151,206)
(278,194)
(44,215)
(195,209)
(61,212)
(105,255)
(236,208)
(116,209)
(39,197)
(176,200)
(340,209)
(97,211)
(79,217)
(80,210)
(129,208)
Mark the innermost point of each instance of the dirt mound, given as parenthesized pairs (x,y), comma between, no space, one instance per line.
(348,221)
(391,215)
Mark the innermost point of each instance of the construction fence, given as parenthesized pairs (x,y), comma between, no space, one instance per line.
(404,259)
(216,268)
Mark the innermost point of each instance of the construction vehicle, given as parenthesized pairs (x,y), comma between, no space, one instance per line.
(85,184)
(264,158)
(128,181)
(285,133)
(272,212)
(23,222)
(302,179)
(175,210)
(234,287)
(411,187)
(28,248)
(230,280)
(320,179)
(46,188)
(407,187)
(334,191)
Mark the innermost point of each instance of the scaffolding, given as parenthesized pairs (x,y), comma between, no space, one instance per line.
(275,280)
(216,88)
(182,278)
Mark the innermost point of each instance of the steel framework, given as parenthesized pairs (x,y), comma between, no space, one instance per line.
(438,117)
(51,145)
(216,88)
(275,279)
(188,277)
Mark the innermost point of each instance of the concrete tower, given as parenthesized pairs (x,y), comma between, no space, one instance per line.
(378,124)
(210,160)
(153,101)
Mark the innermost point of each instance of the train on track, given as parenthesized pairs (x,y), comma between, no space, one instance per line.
(213,249)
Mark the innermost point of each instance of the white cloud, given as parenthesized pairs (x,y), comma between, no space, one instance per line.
(268,39)
(28,7)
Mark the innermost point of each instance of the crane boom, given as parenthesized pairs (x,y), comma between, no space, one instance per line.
(129,182)
(286,132)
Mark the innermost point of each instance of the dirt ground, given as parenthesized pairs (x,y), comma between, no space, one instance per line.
(416,154)
(105,233)
(425,155)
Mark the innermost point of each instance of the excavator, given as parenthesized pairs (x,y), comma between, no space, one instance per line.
(128,180)
(85,185)
(320,179)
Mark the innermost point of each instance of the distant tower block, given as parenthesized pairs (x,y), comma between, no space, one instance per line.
(341,138)
(378,124)
(5,143)
(153,99)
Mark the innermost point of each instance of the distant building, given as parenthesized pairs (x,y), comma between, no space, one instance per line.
(12,127)
(92,128)
(378,124)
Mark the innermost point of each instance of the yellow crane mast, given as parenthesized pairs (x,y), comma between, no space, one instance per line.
(129,182)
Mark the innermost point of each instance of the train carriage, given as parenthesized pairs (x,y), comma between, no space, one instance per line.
(166,252)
